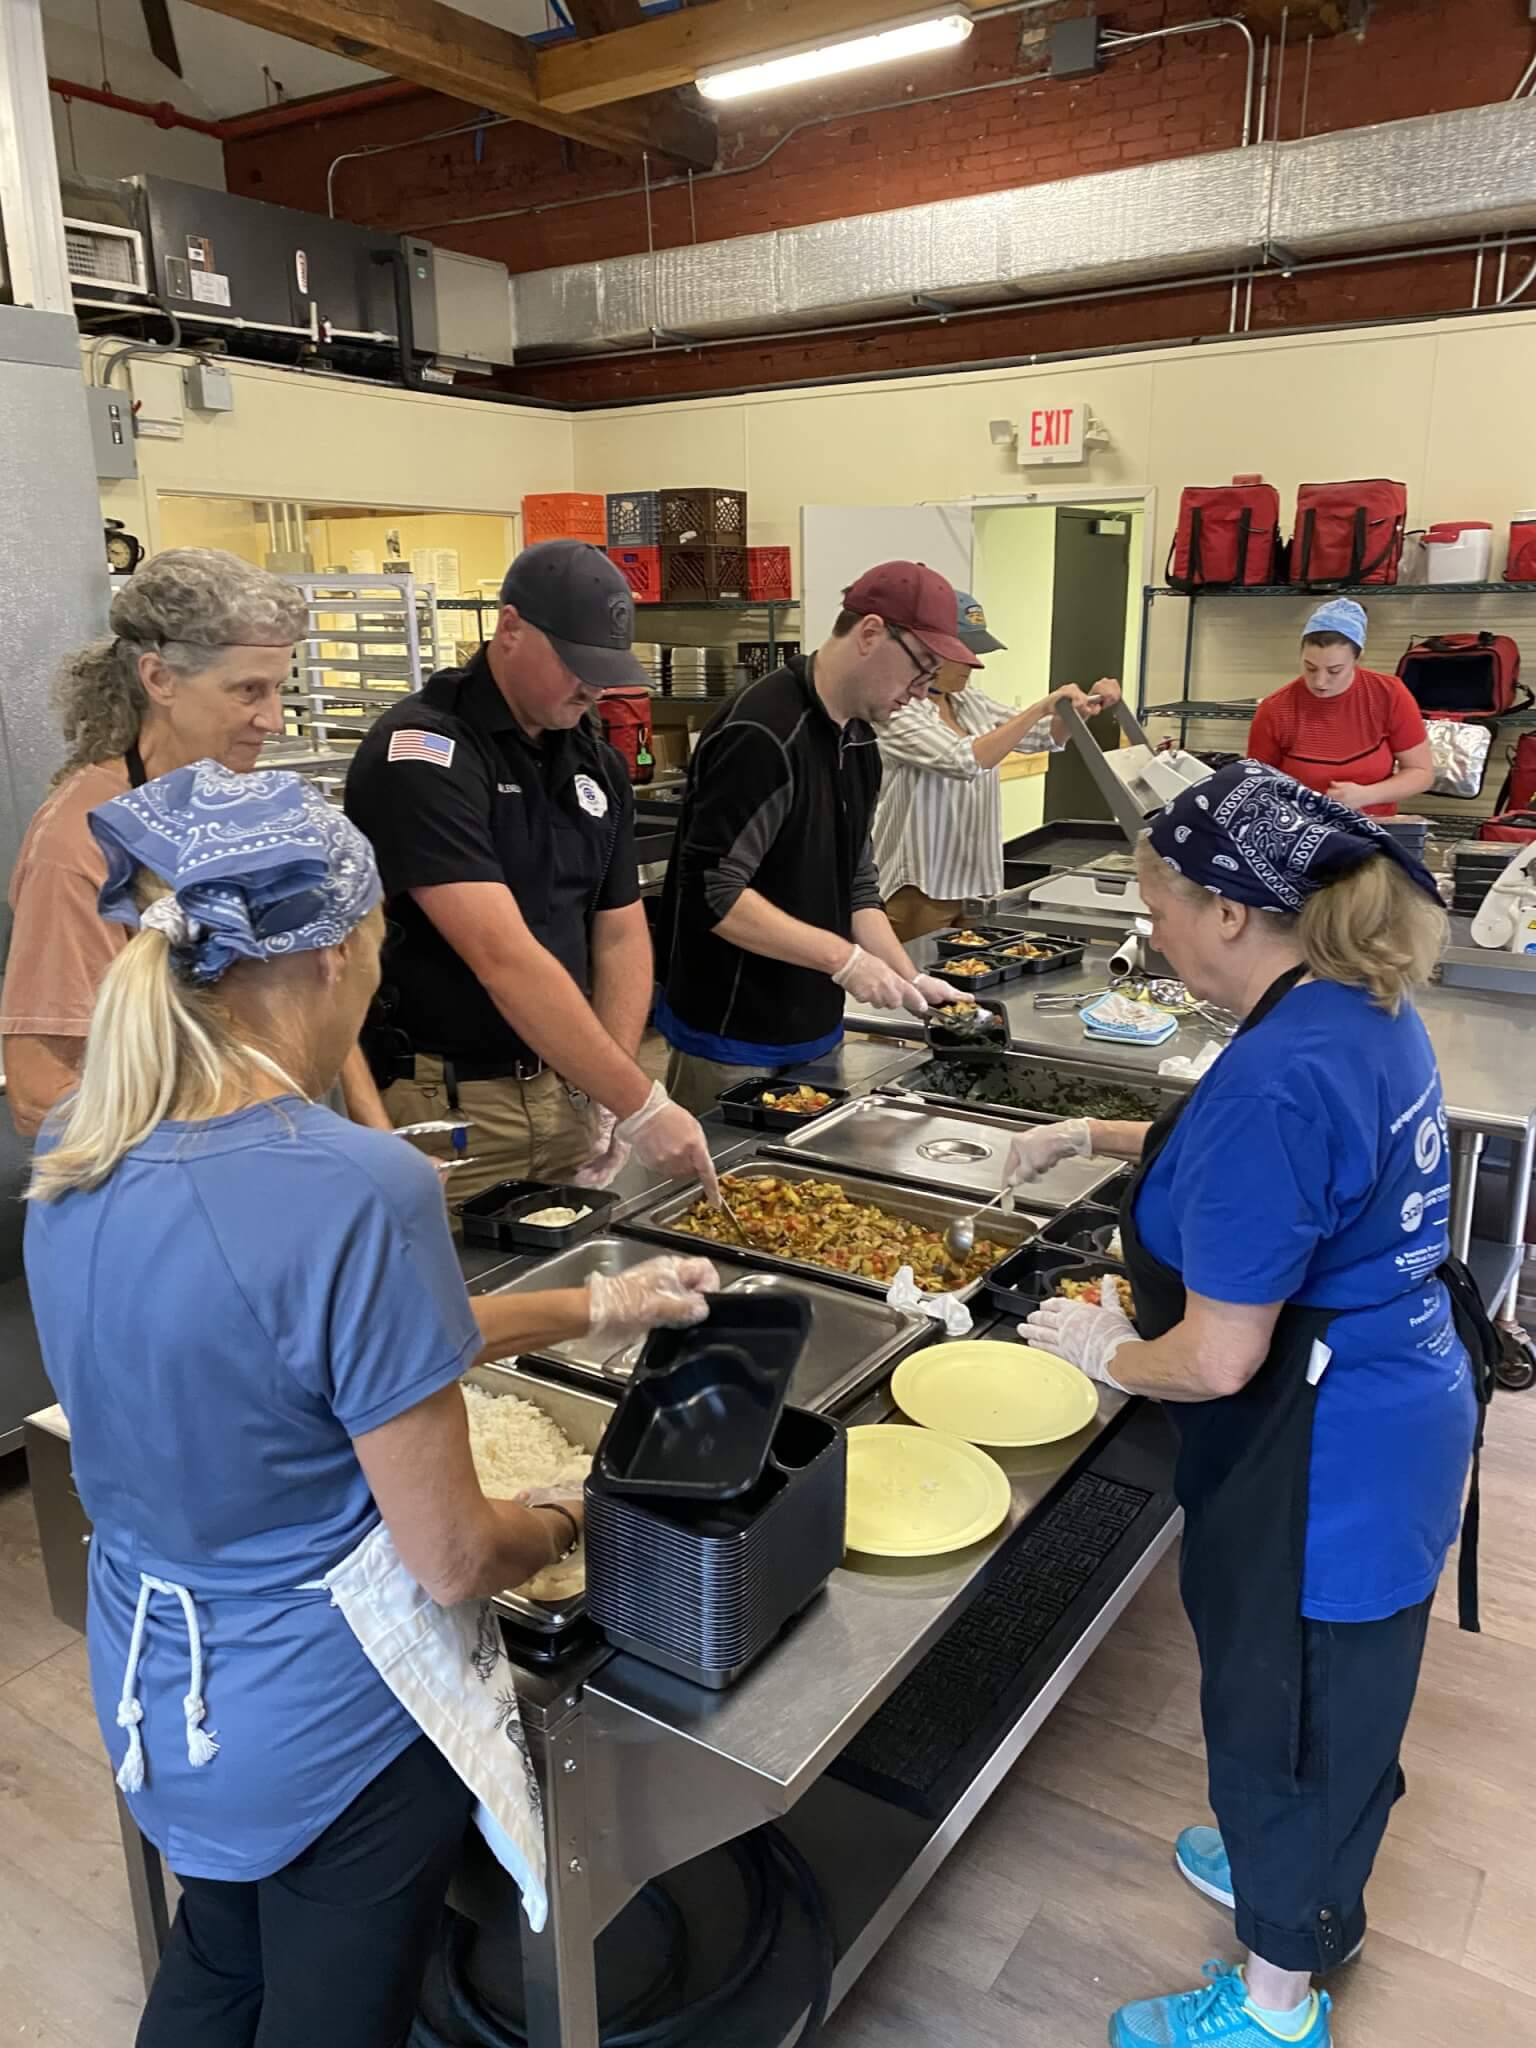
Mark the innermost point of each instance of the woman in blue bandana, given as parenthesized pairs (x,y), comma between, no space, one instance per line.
(254,1318)
(1286,1235)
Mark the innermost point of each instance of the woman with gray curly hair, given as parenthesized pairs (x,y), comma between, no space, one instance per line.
(201,647)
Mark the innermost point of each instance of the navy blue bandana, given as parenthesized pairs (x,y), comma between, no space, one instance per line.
(259,865)
(1256,836)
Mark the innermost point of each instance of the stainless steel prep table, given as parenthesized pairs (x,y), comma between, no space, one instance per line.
(1483,1043)
(640,1772)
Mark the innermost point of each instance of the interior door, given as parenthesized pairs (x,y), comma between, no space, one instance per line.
(1092,578)
(839,542)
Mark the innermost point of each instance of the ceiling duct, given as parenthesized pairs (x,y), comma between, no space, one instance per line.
(1398,184)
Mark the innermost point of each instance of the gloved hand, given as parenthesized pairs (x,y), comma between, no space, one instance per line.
(1033,1153)
(869,980)
(609,1156)
(667,1137)
(937,993)
(1083,1335)
(669,1290)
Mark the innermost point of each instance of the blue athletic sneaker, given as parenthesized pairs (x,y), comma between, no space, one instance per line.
(1200,1857)
(1220,2013)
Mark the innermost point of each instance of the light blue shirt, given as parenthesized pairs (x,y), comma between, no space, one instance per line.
(237,1302)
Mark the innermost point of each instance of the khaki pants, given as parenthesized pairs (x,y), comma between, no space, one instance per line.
(519,1130)
(697,1083)
(914,915)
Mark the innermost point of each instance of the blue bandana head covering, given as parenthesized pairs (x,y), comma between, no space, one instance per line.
(258,865)
(1338,615)
(1253,835)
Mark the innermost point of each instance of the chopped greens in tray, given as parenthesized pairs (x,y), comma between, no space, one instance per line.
(989,1078)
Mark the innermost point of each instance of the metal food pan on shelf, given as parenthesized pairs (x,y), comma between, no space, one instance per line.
(957,1151)
(658,1220)
(546,1628)
(1034,1087)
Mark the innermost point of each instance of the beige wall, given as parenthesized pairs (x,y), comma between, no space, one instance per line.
(102,142)
(1444,407)
(324,440)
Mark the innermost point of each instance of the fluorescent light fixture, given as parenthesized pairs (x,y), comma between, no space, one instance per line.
(914,36)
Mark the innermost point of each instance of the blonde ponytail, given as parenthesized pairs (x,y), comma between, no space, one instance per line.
(1373,929)
(157,1047)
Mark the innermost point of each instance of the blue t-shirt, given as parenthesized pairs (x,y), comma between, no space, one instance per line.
(219,1319)
(1311,1165)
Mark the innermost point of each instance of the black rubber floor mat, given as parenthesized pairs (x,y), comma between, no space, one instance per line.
(927,1725)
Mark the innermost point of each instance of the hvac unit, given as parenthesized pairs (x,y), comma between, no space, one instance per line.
(105,259)
(461,307)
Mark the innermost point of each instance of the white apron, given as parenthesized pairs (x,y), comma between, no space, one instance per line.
(448,1668)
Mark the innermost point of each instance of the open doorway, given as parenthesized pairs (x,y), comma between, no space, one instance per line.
(1061,586)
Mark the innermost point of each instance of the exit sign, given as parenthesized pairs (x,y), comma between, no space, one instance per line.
(1052,433)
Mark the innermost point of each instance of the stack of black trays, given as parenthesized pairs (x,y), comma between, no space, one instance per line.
(1475,866)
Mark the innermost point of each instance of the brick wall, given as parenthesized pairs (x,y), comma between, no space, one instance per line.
(1163,99)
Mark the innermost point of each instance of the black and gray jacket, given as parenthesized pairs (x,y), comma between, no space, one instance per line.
(782,800)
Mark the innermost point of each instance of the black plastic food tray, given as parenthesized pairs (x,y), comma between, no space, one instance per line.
(742,1104)
(699,1416)
(1086,1228)
(945,1038)
(997,973)
(1057,848)
(1061,953)
(703,1591)
(951,946)
(492,1218)
(1027,1277)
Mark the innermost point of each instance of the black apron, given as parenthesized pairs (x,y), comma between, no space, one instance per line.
(134,762)
(1242,1478)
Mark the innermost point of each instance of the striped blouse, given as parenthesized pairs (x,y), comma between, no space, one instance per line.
(939,827)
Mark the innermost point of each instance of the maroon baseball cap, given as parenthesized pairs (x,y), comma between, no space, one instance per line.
(918,600)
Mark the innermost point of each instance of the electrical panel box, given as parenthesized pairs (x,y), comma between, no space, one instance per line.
(111,416)
(1075,47)
(208,388)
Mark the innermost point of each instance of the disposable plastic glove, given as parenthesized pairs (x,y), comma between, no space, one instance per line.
(1033,1153)
(1083,1335)
(667,1137)
(937,993)
(869,980)
(610,1155)
(668,1291)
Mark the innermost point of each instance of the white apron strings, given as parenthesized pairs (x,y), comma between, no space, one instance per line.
(201,1746)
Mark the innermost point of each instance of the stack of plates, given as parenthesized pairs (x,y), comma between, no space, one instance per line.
(700,671)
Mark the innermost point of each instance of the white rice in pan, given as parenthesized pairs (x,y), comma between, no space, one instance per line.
(515,1445)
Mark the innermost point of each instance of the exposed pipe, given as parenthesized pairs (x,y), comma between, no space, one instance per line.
(1144,289)
(1526,77)
(1115,41)
(409,142)
(161,112)
(1509,298)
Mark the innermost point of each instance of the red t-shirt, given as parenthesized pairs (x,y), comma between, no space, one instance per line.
(1354,738)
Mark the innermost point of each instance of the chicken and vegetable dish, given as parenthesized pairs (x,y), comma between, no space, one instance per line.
(798,1101)
(966,967)
(818,1222)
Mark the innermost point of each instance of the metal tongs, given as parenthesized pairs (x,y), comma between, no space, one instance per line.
(986,1026)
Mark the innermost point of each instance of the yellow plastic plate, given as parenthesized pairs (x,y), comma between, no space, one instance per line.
(916,1493)
(1009,1396)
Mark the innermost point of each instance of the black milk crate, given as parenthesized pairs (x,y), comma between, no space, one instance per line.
(634,519)
(704,515)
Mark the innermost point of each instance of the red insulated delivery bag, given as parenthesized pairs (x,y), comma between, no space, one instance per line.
(1228,534)
(1464,675)
(1521,567)
(625,711)
(1519,826)
(1518,790)
(1349,533)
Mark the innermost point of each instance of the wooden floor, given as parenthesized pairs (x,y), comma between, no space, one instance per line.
(1057,1906)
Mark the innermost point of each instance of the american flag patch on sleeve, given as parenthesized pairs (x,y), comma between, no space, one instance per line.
(409,744)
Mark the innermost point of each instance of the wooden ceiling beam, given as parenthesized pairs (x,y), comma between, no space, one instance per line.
(476,62)
(672,49)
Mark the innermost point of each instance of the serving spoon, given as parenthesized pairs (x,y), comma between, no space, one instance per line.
(960,1238)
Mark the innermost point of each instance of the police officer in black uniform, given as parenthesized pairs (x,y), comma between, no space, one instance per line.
(518,974)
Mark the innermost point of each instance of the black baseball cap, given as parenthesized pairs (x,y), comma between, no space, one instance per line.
(580,601)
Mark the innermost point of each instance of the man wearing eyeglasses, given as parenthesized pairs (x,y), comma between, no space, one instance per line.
(772,913)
